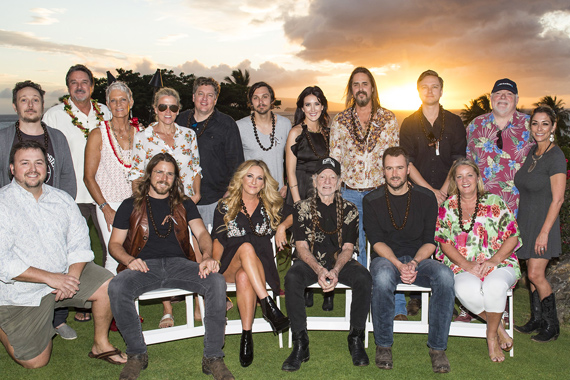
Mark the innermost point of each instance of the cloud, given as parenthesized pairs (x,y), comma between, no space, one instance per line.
(43,16)
(170,39)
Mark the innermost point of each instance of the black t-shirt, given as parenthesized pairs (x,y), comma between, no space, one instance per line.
(156,247)
(50,153)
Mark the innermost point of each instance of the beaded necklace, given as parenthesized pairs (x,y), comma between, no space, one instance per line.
(44,127)
(134,122)
(204,126)
(355,133)
(430,136)
(399,228)
(336,231)
(75,121)
(473,216)
(169,217)
(308,135)
(271,136)
(263,212)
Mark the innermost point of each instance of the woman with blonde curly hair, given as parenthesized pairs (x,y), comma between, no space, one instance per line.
(244,223)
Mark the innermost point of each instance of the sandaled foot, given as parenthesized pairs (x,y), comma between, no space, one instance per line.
(495,352)
(114,356)
(229,303)
(505,341)
(166,321)
(81,316)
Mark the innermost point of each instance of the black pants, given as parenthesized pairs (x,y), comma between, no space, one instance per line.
(353,274)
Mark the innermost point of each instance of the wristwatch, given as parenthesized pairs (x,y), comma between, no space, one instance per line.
(102,205)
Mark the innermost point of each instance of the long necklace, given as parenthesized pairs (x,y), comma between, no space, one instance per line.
(399,228)
(355,133)
(308,134)
(134,122)
(318,223)
(473,216)
(44,127)
(271,136)
(204,126)
(75,121)
(535,160)
(169,217)
(263,212)
(430,136)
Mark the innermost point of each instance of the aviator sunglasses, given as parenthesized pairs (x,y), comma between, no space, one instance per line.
(163,107)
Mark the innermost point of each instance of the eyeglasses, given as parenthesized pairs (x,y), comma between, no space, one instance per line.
(163,107)
(500,139)
(160,173)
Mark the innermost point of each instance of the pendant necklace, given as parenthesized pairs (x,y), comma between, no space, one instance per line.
(535,160)
(430,136)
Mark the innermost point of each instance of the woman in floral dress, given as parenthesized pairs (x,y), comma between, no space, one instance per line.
(477,236)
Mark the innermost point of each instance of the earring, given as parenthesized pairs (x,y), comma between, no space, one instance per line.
(551,138)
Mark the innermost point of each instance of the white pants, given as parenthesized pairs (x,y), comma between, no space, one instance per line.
(110,263)
(489,295)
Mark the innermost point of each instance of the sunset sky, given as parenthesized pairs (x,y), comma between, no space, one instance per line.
(292,44)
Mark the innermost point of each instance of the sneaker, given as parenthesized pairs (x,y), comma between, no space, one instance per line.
(464,315)
(66,332)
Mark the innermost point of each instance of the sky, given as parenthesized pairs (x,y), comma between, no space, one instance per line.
(292,44)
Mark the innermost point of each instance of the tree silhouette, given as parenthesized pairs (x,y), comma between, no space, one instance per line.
(562,117)
(476,107)
(238,77)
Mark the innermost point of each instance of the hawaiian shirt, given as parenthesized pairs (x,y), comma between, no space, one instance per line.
(147,144)
(498,167)
(494,223)
(362,162)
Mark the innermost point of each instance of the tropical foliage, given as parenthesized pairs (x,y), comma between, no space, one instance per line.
(476,107)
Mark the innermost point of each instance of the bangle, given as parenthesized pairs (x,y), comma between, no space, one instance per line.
(293,186)
(416,261)
(102,205)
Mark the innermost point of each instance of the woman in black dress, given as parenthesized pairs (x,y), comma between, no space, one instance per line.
(244,223)
(307,144)
(541,182)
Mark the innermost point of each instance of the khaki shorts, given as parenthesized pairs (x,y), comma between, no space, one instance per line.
(30,328)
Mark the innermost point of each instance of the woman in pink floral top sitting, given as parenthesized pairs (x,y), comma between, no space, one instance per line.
(478,234)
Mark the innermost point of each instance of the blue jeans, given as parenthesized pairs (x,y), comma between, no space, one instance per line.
(431,273)
(356,198)
(400,304)
(171,272)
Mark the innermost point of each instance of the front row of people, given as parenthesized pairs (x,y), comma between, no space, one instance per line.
(51,265)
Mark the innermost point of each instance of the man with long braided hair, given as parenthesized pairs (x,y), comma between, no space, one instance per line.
(325,229)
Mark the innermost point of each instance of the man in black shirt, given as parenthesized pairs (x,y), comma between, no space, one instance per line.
(219,144)
(399,220)
(151,242)
(325,229)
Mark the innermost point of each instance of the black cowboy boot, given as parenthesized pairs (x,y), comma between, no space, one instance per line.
(356,347)
(308,297)
(535,321)
(550,328)
(300,353)
(246,348)
(273,315)
(328,301)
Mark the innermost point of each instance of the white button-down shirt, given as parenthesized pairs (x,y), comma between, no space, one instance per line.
(48,234)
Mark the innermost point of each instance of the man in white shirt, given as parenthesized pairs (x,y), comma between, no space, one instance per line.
(75,118)
(45,262)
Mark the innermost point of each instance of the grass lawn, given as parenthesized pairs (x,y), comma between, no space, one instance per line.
(329,354)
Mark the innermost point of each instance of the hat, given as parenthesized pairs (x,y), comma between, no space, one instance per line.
(329,163)
(505,84)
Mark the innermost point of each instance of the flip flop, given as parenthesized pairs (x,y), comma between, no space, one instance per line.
(106,356)
(165,318)
(86,316)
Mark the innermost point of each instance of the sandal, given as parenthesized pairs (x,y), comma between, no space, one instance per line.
(166,321)
(106,356)
(229,303)
(86,316)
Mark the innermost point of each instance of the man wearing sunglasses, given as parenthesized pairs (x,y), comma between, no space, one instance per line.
(219,144)
(499,142)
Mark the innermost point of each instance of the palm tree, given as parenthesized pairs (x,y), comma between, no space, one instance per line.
(476,107)
(238,77)
(562,115)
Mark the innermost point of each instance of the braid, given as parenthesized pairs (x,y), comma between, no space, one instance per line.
(314,216)
(339,216)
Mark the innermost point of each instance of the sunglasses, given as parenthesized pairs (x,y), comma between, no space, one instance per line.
(163,107)
(500,139)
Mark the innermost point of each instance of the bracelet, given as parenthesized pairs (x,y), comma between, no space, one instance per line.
(416,261)
(102,205)
(293,186)
(130,261)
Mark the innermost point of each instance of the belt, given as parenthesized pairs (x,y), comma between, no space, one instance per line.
(360,190)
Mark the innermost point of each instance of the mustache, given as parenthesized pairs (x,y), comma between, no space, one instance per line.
(361,92)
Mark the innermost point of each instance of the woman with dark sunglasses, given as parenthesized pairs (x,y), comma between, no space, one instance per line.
(165,136)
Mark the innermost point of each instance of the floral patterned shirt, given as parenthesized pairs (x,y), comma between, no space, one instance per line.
(147,144)
(325,246)
(494,223)
(499,166)
(362,162)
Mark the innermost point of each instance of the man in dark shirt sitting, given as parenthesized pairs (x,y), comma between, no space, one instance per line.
(325,229)
(151,242)
(399,220)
